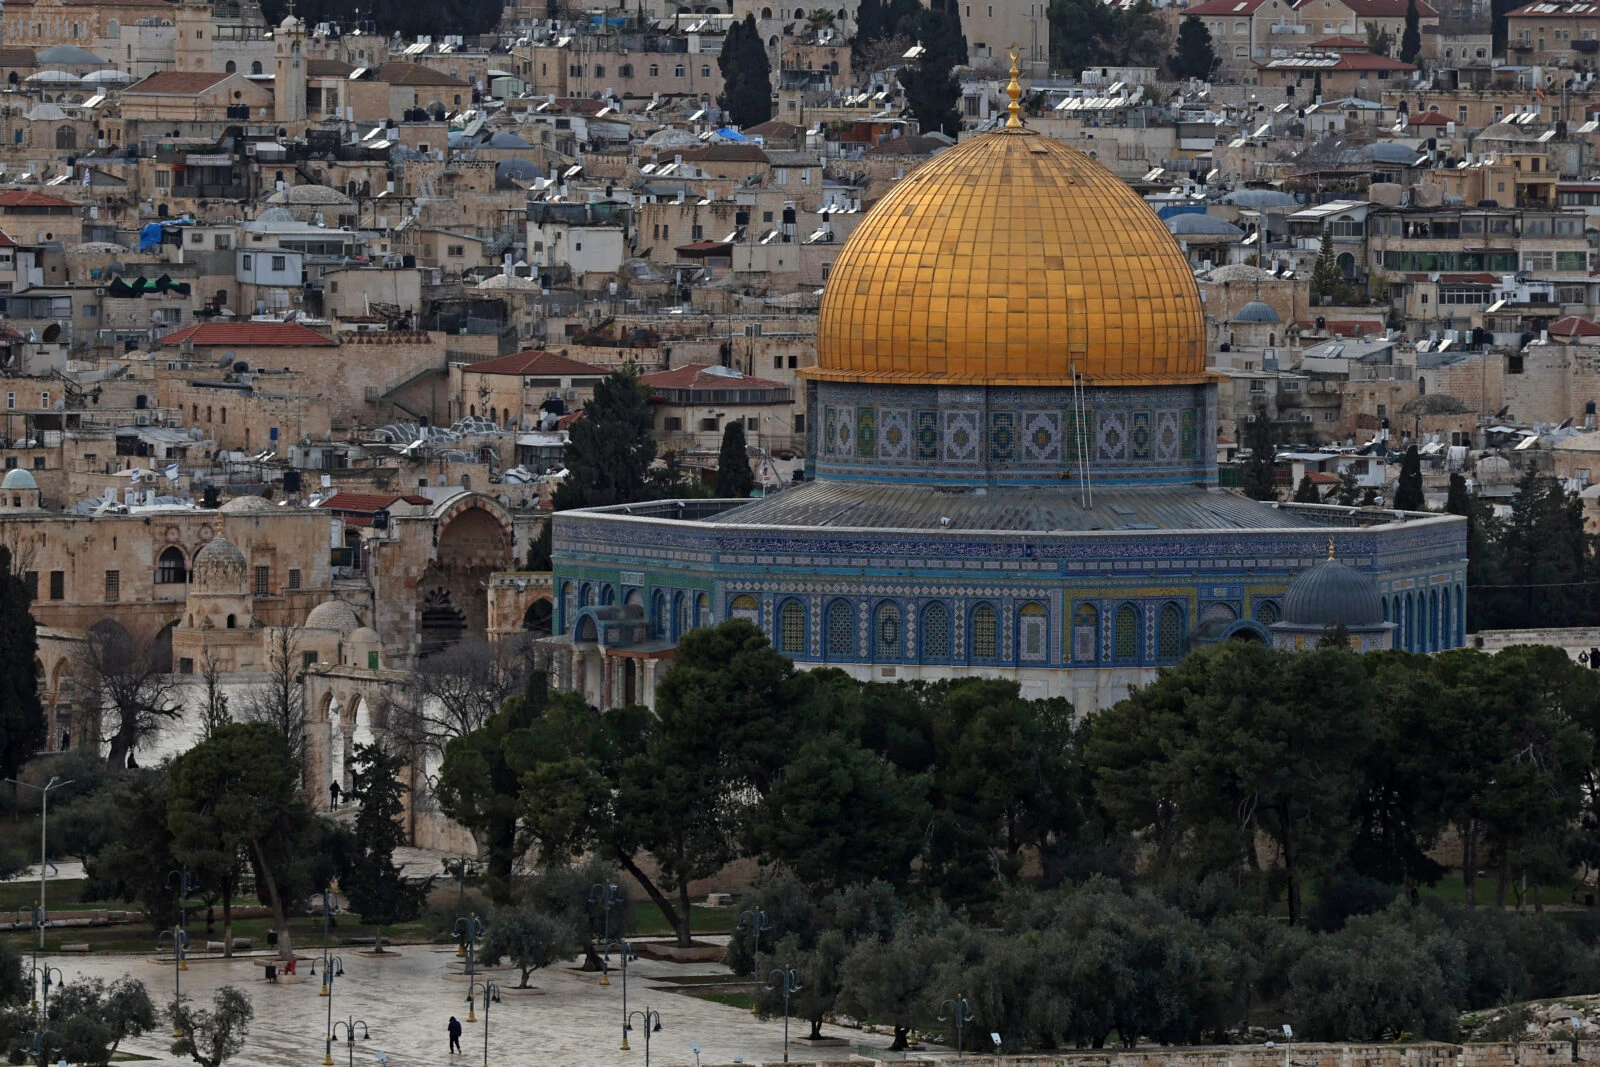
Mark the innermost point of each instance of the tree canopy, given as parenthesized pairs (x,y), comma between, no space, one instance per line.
(746,75)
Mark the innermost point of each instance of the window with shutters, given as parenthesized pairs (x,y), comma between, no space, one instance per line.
(263,578)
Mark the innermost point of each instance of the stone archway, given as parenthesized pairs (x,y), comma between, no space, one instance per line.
(472,542)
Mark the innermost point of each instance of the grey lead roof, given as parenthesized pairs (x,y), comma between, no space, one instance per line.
(863,505)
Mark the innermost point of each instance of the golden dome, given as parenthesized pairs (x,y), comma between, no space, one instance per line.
(1011,259)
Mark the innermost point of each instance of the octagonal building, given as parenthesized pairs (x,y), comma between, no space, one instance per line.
(1011,470)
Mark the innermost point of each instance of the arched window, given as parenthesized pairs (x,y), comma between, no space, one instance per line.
(1410,643)
(1266,613)
(1086,634)
(608,594)
(1125,640)
(660,616)
(255,68)
(1461,618)
(702,610)
(568,604)
(1169,634)
(680,615)
(936,634)
(766,12)
(745,607)
(66,137)
(229,67)
(1033,641)
(1433,620)
(841,637)
(1422,385)
(792,628)
(170,569)
(232,622)
(586,596)
(1446,620)
(886,633)
(985,634)
(625,71)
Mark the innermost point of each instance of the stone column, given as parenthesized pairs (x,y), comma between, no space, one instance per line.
(647,691)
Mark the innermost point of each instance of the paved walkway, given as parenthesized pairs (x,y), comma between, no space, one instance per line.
(569,1021)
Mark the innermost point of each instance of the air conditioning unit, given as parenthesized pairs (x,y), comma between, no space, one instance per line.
(100,291)
(1305,417)
(141,420)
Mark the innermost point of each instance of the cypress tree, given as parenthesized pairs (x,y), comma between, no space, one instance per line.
(1306,492)
(1408,491)
(22,723)
(1411,39)
(1459,502)
(1258,477)
(609,450)
(1194,57)
(734,477)
(931,87)
(746,75)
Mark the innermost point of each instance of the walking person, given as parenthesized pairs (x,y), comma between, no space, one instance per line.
(333,794)
(455,1034)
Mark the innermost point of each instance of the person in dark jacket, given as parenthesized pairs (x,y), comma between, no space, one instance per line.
(455,1034)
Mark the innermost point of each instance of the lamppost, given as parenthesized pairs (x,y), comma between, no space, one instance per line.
(627,950)
(607,895)
(791,985)
(39,1046)
(759,924)
(37,921)
(960,1009)
(39,979)
(468,928)
(185,887)
(44,821)
(332,967)
(180,945)
(350,1023)
(329,906)
(461,869)
(651,1020)
(491,995)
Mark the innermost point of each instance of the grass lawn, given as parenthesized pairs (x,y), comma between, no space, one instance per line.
(649,922)
(1451,888)
(733,1000)
(140,937)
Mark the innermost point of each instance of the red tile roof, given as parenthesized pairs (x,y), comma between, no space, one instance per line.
(1334,43)
(367,503)
(1429,118)
(705,376)
(250,335)
(533,361)
(724,153)
(398,73)
(1344,327)
(177,82)
(7,241)
(704,246)
(1382,9)
(1225,7)
(565,422)
(29,198)
(1573,326)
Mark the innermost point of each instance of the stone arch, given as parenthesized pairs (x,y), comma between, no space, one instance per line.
(839,638)
(472,540)
(539,619)
(983,634)
(791,635)
(172,568)
(888,631)
(934,633)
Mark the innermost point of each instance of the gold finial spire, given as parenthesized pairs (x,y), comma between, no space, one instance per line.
(1014,91)
(1330,547)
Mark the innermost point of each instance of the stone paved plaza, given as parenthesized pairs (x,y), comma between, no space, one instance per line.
(407,999)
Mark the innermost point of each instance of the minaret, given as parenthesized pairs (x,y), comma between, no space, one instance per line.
(289,74)
(192,50)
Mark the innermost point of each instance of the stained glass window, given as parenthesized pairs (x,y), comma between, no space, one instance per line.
(983,633)
(888,631)
(936,634)
(1169,633)
(841,630)
(792,621)
(1127,633)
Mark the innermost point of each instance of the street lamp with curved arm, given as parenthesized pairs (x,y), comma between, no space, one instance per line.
(626,949)
(39,1046)
(608,895)
(180,947)
(960,1009)
(469,928)
(39,978)
(491,995)
(350,1023)
(789,981)
(185,889)
(759,924)
(55,782)
(651,1022)
(332,967)
(330,906)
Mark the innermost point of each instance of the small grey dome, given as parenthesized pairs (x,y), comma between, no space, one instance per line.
(1332,594)
(333,615)
(18,479)
(219,550)
(1257,311)
(1197,224)
(68,55)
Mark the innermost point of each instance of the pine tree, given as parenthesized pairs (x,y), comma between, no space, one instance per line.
(746,75)
(734,477)
(1306,491)
(1259,482)
(1408,490)
(1459,502)
(22,723)
(1316,88)
(1411,39)
(610,450)
(378,892)
(931,87)
(1194,56)
(1348,492)
(1327,281)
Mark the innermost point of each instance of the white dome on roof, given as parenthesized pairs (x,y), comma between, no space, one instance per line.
(290,23)
(18,479)
(333,615)
(246,503)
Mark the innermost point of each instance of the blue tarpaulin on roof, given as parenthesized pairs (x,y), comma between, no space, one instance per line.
(150,236)
(731,134)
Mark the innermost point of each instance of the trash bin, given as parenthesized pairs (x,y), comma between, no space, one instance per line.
(272,973)
(272,939)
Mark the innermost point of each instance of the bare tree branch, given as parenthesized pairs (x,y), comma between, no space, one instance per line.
(450,693)
(281,700)
(129,675)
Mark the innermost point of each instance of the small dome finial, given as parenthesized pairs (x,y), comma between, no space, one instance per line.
(1330,546)
(1014,91)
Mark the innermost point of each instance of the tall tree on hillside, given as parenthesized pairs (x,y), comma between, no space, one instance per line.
(1306,491)
(22,722)
(1194,56)
(378,892)
(746,75)
(610,449)
(932,91)
(280,701)
(1328,284)
(734,477)
(1408,490)
(1380,42)
(1256,435)
(1411,39)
